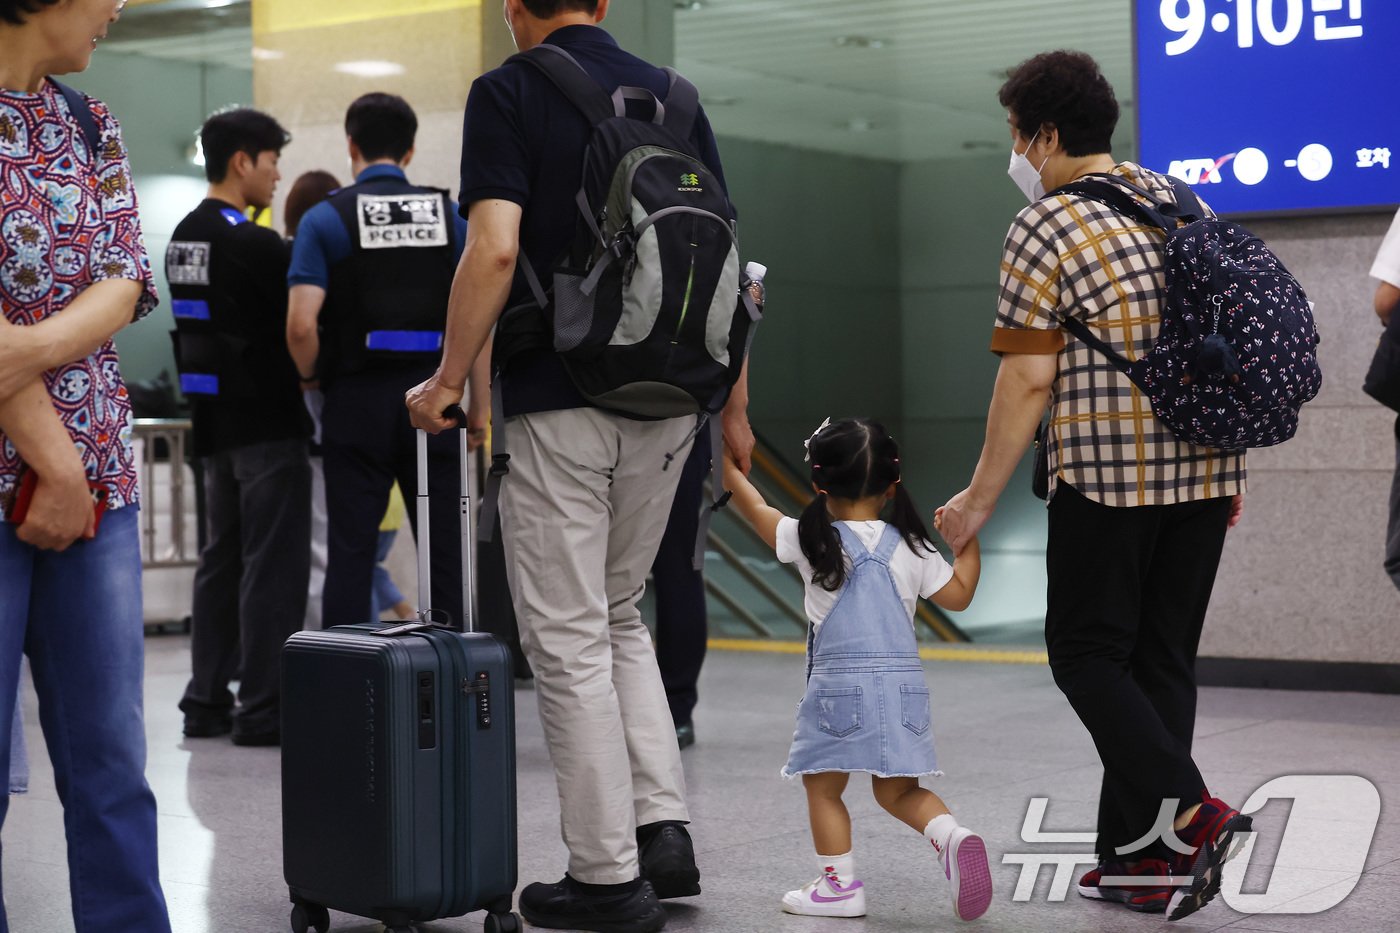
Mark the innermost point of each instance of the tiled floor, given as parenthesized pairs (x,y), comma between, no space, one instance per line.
(1005,735)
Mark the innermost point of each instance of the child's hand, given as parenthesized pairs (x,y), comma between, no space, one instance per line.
(969,544)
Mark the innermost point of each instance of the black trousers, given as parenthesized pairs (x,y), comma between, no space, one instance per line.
(367,442)
(1127,598)
(682,625)
(250,588)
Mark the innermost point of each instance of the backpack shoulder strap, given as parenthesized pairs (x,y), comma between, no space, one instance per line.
(571,79)
(78,106)
(682,105)
(1081,330)
(1189,206)
(1117,197)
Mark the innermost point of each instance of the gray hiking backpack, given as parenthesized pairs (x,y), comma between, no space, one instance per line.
(648,307)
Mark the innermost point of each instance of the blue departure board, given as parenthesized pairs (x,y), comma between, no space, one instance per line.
(1272,105)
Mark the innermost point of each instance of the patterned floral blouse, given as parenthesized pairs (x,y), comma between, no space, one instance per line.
(68,219)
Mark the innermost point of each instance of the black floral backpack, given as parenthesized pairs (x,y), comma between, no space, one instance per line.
(1236,356)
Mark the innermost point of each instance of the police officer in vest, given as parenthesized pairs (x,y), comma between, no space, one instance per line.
(226,275)
(371,270)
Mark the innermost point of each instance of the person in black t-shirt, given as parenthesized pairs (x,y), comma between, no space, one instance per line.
(227,277)
(585,502)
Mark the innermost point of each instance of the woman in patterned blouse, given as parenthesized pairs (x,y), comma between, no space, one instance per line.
(73,271)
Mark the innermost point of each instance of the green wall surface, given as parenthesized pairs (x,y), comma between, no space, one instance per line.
(953,219)
(829,344)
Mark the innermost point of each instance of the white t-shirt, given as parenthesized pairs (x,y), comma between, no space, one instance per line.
(1387,265)
(915,574)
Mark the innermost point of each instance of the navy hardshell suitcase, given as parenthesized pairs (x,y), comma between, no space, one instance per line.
(398,765)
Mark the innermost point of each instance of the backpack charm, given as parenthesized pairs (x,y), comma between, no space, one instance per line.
(1214,361)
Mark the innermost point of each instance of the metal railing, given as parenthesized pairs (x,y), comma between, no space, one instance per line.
(178,551)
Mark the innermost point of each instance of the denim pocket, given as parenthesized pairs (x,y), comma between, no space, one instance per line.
(839,711)
(913,708)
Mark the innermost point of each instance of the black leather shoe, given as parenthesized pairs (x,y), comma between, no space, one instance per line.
(667,858)
(207,728)
(604,908)
(685,735)
(257,739)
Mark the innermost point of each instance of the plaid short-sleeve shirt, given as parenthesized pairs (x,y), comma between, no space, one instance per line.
(1067,255)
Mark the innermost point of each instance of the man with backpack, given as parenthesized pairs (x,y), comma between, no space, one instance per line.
(1137,515)
(598,396)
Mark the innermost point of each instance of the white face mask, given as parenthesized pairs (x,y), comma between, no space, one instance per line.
(1025,175)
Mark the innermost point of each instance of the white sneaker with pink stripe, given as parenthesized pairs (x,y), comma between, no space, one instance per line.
(826,897)
(970,877)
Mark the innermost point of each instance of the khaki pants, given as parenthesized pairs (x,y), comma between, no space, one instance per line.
(582,513)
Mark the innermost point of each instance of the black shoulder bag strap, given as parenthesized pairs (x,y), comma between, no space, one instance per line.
(78,106)
(578,86)
(564,71)
(682,105)
(1113,191)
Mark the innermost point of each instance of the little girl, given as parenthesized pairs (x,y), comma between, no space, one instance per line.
(866,706)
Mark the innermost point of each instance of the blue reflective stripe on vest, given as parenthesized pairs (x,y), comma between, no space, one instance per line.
(199,384)
(404,341)
(190,309)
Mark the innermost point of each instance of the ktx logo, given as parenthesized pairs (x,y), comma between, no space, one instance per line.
(1199,171)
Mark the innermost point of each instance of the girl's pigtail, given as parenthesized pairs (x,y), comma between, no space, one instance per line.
(905,517)
(821,545)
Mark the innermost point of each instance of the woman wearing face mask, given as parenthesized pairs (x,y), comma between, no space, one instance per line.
(1137,517)
(73,271)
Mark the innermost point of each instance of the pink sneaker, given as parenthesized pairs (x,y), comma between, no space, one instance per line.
(965,864)
(826,898)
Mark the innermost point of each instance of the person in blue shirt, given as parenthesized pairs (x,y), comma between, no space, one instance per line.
(370,275)
(585,501)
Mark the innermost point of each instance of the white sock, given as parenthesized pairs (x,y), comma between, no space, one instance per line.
(842,866)
(939,830)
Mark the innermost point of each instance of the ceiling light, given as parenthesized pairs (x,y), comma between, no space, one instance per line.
(861,42)
(371,69)
(860,124)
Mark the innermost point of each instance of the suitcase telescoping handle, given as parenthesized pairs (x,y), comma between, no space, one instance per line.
(464,503)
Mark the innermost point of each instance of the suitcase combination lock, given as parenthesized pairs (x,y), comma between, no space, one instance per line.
(481,686)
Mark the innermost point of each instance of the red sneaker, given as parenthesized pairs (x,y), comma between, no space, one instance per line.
(1144,886)
(1211,836)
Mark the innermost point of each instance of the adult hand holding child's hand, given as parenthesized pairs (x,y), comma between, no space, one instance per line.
(961,519)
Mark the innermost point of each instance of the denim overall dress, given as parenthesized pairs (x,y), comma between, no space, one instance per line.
(866,707)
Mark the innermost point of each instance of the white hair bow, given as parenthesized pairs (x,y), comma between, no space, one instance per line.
(807,444)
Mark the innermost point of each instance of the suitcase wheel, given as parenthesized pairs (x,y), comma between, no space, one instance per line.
(305,916)
(502,923)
